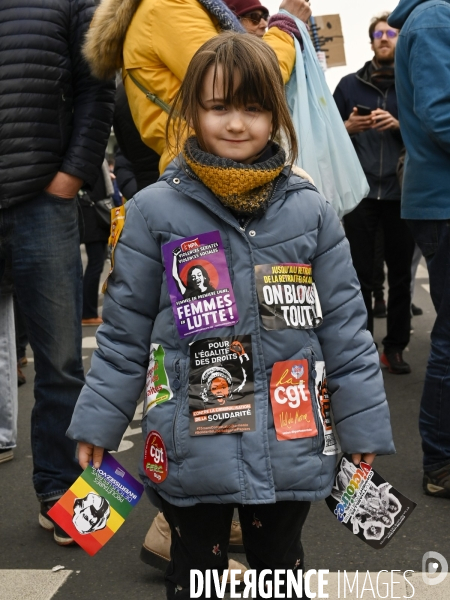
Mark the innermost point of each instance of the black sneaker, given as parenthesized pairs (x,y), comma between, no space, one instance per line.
(393,360)
(416,311)
(437,483)
(60,536)
(379,309)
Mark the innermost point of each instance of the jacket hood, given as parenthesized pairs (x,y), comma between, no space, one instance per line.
(104,41)
(404,9)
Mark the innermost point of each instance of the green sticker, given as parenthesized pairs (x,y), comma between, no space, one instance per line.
(157,385)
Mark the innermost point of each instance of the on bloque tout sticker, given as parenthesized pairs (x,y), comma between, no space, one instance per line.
(287,296)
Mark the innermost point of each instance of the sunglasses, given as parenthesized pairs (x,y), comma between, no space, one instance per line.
(256,17)
(390,33)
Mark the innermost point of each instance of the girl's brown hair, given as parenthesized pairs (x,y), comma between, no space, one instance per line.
(260,82)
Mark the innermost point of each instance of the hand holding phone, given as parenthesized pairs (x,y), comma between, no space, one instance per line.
(357,123)
(363,111)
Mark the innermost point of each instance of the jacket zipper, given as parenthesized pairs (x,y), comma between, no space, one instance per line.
(177,410)
(270,200)
(384,96)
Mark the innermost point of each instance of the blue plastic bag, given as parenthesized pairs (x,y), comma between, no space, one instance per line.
(325,149)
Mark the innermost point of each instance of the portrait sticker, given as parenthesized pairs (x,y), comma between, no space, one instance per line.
(287,296)
(292,409)
(221,386)
(331,443)
(157,382)
(97,504)
(367,504)
(199,284)
(156,464)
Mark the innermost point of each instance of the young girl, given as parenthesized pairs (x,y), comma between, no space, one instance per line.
(284,300)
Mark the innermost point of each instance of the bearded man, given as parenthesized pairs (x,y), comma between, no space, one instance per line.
(367,102)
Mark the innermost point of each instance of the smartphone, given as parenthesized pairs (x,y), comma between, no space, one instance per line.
(363,111)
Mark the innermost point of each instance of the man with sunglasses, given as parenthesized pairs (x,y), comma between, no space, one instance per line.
(368,105)
(253,16)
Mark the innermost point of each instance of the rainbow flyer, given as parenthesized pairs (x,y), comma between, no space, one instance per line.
(97,504)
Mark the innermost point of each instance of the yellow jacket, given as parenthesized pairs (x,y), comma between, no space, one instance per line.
(160,42)
(155,40)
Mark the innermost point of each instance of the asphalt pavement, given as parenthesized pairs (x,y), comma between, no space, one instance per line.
(28,553)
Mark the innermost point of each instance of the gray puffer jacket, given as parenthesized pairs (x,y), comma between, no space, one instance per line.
(252,467)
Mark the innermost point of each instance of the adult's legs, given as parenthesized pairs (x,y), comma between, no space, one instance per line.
(433,238)
(398,253)
(96,252)
(21,332)
(272,536)
(200,537)
(378,266)
(47,274)
(414,266)
(361,228)
(8,374)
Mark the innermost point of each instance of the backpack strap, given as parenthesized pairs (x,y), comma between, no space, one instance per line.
(152,97)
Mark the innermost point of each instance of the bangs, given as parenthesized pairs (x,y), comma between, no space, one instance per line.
(244,80)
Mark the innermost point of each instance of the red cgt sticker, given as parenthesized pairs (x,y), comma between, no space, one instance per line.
(155,458)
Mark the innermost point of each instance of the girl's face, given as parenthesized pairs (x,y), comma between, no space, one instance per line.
(240,134)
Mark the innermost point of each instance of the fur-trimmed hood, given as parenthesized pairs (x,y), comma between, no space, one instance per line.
(104,40)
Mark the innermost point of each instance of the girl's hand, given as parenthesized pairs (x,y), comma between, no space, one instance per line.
(88,452)
(367,458)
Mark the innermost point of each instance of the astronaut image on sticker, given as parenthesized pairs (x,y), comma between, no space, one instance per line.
(221,388)
(90,513)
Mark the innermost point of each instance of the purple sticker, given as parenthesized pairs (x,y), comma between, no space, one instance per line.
(199,284)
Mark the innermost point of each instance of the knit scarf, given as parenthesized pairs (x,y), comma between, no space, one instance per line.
(244,189)
(382,76)
(227,19)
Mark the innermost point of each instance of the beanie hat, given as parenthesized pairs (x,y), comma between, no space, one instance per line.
(242,7)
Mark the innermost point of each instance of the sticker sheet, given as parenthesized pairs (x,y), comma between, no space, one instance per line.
(157,382)
(331,443)
(221,386)
(199,284)
(367,504)
(97,504)
(287,296)
(291,400)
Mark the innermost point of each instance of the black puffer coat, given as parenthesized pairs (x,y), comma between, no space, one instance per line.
(54,116)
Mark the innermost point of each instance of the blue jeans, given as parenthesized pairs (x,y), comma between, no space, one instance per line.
(8,373)
(39,242)
(433,238)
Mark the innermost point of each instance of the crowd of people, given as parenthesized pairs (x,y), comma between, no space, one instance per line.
(195,92)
